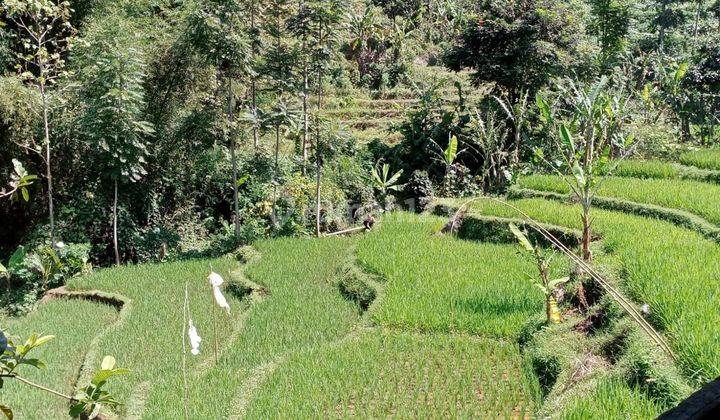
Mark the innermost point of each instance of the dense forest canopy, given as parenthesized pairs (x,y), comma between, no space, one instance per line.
(167,128)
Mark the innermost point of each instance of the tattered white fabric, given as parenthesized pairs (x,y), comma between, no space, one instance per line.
(194,338)
(220,299)
(215,280)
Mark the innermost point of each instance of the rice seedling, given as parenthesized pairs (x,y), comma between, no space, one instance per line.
(696,197)
(383,374)
(75,323)
(705,159)
(147,340)
(612,398)
(655,169)
(304,309)
(665,266)
(441,283)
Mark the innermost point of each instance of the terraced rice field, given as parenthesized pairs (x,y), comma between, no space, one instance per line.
(674,270)
(705,159)
(699,198)
(441,335)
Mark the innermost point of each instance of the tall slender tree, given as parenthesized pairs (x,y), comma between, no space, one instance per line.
(112,95)
(253,33)
(280,61)
(300,27)
(325,17)
(217,31)
(44,34)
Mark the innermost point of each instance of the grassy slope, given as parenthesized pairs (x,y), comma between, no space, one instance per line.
(303,310)
(74,323)
(401,375)
(672,269)
(148,341)
(705,159)
(439,283)
(611,399)
(695,197)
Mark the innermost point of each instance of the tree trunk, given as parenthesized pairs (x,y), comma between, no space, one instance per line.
(318,169)
(233,158)
(586,236)
(304,98)
(552,311)
(305,119)
(696,24)
(275,172)
(318,157)
(48,171)
(256,135)
(661,32)
(115,218)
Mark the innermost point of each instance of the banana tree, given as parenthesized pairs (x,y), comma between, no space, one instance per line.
(544,283)
(385,182)
(447,157)
(587,132)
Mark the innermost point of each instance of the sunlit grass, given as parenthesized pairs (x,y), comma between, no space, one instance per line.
(440,283)
(148,341)
(304,309)
(674,270)
(656,169)
(611,399)
(74,323)
(700,198)
(401,375)
(705,159)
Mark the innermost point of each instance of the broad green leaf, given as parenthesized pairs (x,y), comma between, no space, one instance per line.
(681,71)
(451,151)
(42,340)
(522,239)
(543,107)
(17,257)
(566,137)
(395,177)
(37,363)
(242,180)
(646,92)
(25,194)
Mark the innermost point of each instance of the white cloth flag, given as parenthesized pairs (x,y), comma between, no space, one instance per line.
(215,280)
(194,338)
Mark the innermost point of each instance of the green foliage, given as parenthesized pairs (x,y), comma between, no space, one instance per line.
(86,402)
(429,288)
(112,77)
(692,196)
(383,181)
(29,274)
(384,371)
(610,24)
(20,180)
(673,286)
(518,45)
(90,399)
